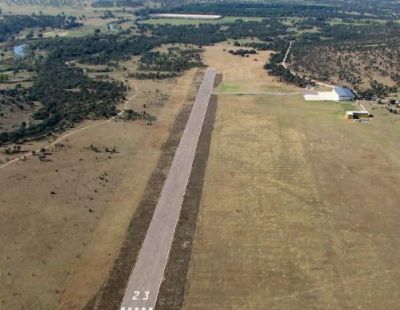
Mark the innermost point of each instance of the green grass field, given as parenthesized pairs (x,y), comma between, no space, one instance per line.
(227,87)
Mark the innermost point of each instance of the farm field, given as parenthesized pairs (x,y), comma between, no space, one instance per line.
(299,207)
(83,197)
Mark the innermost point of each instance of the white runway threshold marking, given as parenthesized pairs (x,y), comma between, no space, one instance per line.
(147,275)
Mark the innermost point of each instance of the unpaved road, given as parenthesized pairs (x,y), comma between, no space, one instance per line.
(285,65)
(147,275)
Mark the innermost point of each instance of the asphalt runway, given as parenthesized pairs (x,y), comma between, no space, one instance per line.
(147,275)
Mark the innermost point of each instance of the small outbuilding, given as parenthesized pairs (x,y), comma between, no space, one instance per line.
(358,115)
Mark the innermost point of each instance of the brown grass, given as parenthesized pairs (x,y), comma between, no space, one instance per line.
(299,209)
(59,247)
(111,293)
(242,73)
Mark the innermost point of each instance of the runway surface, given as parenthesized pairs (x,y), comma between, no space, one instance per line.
(145,280)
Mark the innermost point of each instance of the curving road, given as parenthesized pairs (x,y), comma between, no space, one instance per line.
(147,275)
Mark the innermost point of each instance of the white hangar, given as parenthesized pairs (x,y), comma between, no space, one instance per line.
(337,94)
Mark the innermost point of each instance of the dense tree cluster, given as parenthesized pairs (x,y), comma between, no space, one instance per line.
(376,90)
(98,49)
(4,78)
(174,60)
(13,24)
(15,98)
(207,34)
(67,96)
(243,52)
(154,75)
(263,30)
(117,3)
(203,34)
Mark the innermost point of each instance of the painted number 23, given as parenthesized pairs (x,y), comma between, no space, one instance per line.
(137,295)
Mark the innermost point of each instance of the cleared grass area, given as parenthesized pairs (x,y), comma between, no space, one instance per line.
(183,21)
(290,214)
(342,107)
(226,87)
(299,207)
(243,73)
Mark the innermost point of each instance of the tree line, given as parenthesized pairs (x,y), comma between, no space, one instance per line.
(174,60)
(249,9)
(11,25)
(117,3)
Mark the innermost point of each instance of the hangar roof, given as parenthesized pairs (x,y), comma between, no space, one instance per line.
(344,92)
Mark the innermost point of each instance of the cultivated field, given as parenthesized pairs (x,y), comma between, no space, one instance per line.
(299,207)
(63,221)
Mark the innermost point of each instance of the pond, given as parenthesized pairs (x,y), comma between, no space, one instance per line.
(19,50)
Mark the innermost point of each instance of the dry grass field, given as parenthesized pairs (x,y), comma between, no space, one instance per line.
(242,73)
(299,207)
(62,222)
